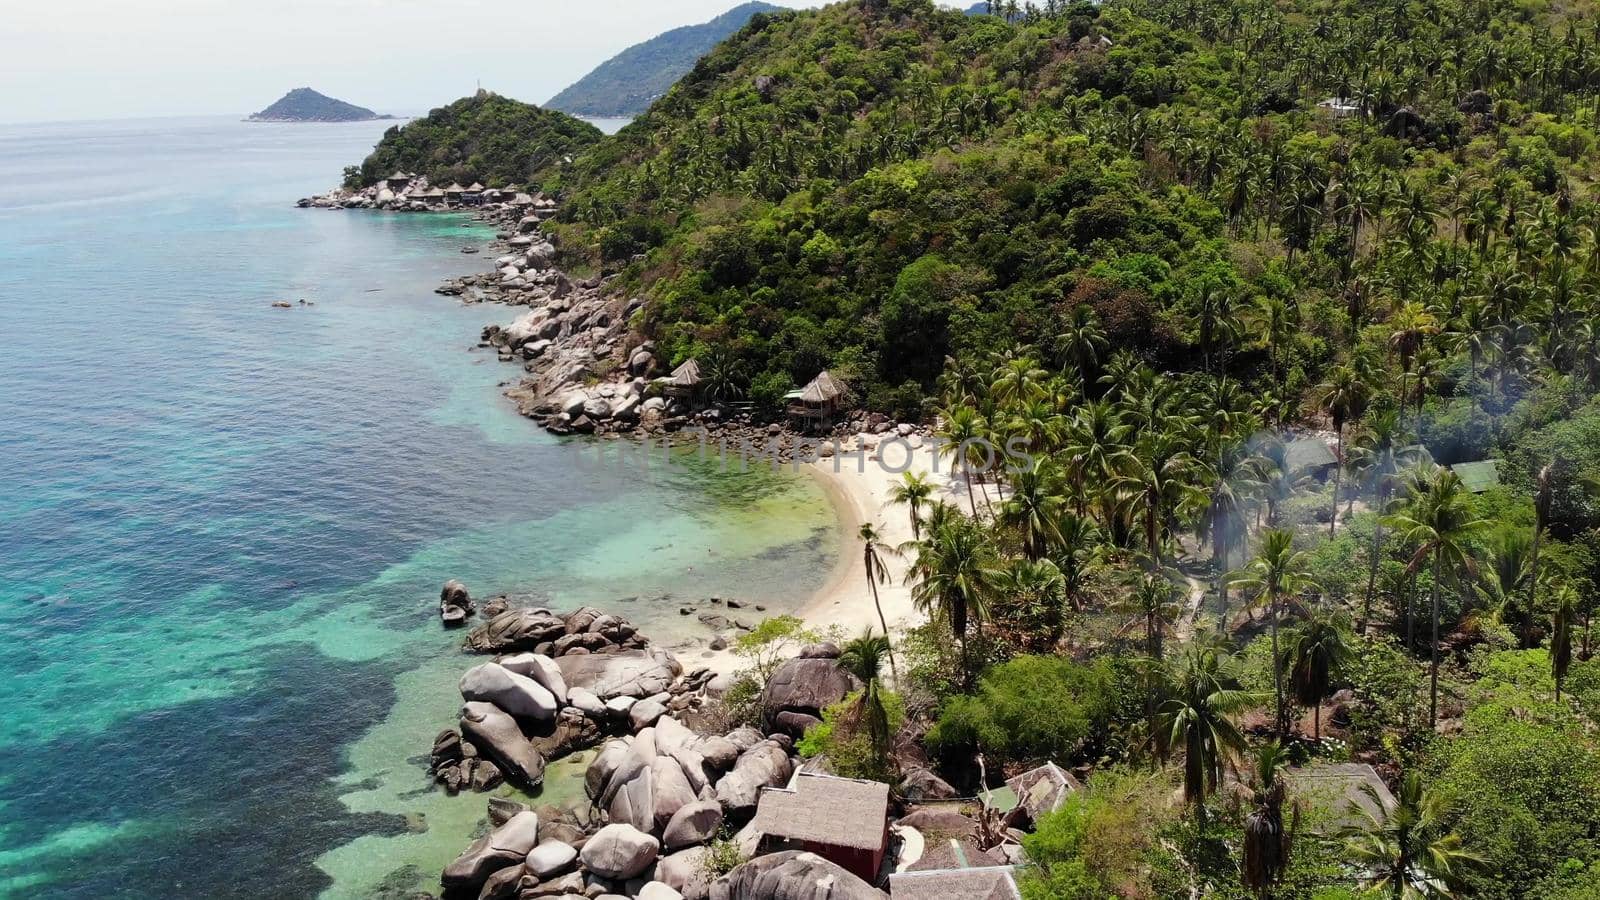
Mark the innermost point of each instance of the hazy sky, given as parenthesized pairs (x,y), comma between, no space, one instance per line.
(98,59)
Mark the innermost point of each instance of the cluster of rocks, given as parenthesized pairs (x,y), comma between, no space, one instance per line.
(416,194)
(660,791)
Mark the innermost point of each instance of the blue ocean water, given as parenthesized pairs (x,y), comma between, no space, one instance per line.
(223,525)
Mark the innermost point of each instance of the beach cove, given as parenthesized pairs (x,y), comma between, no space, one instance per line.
(223,524)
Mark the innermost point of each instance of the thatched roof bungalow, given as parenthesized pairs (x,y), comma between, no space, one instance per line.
(842,820)
(817,402)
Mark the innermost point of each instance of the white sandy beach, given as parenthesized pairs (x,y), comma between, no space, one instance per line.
(859,487)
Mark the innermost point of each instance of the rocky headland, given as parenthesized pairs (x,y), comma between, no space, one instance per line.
(675,784)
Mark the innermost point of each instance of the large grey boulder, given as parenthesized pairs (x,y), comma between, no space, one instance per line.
(655,890)
(516,630)
(686,872)
(496,735)
(803,687)
(619,851)
(586,702)
(645,713)
(630,793)
(541,669)
(693,823)
(764,765)
(517,694)
(631,673)
(672,791)
(603,767)
(549,859)
(506,846)
(792,875)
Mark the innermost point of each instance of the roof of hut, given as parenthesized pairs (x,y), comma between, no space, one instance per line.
(686,375)
(825,809)
(822,389)
(454,188)
(475,187)
(1044,789)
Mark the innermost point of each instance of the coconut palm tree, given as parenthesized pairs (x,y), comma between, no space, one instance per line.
(1276,572)
(1267,842)
(1381,451)
(1566,601)
(912,490)
(1076,554)
(1033,508)
(1543,484)
(1439,522)
(873,550)
(953,576)
(1196,717)
(1235,481)
(863,657)
(964,436)
(1082,341)
(1095,438)
(1401,850)
(1319,652)
(1153,604)
(1343,396)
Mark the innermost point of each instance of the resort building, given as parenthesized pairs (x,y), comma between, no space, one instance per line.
(818,402)
(842,820)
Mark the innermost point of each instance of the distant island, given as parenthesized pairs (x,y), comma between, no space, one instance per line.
(307,105)
(625,85)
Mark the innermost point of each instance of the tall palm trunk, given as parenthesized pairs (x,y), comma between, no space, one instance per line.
(1277,671)
(1338,471)
(1372,566)
(1219,550)
(1433,666)
(1533,587)
(873,583)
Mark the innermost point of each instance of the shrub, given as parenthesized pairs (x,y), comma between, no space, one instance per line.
(1033,707)
(848,748)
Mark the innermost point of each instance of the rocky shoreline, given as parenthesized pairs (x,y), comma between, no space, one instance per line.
(674,787)
(584,371)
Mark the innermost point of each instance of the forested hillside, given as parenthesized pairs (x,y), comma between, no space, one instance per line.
(875,186)
(626,84)
(485,137)
(1159,240)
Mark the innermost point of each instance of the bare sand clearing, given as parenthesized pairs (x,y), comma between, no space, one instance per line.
(859,486)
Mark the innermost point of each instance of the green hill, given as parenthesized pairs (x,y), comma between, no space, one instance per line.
(875,185)
(626,85)
(486,138)
(306,105)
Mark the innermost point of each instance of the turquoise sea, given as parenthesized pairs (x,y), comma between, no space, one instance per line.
(223,525)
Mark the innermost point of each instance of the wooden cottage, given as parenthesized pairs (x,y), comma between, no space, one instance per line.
(454,191)
(842,820)
(685,382)
(1479,476)
(397,182)
(1040,791)
(1310,455)
(473,194)
(1348,795)
(818,402)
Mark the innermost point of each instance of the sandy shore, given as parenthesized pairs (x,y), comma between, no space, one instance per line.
(859,489)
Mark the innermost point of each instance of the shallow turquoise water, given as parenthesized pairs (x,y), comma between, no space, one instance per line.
(223,525)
